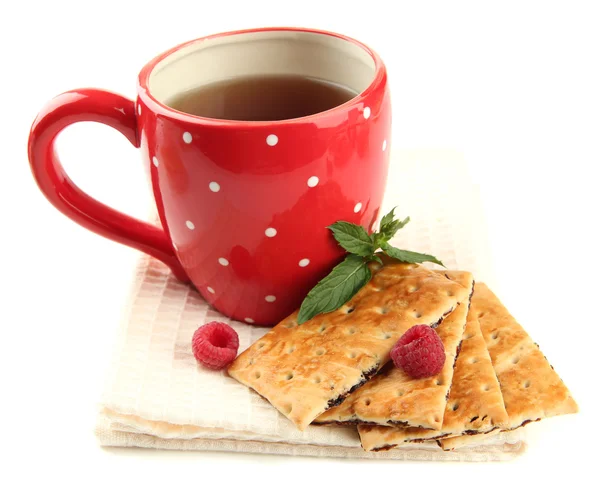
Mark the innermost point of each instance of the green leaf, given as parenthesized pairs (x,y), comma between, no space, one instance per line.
(387,219)
(353,238)
(408,256)
(344,281)
(389,229)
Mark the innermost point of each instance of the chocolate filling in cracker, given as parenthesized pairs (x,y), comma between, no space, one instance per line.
(394,398)
(502,382)
(531,388)
(305,369)
(474,405)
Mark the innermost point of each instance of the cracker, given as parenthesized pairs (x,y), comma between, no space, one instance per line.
(394,398)
(475,403)
(302,370)
(531,388)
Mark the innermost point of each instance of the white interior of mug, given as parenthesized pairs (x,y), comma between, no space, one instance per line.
(272,52)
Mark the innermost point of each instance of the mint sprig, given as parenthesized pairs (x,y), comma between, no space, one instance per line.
(348,277)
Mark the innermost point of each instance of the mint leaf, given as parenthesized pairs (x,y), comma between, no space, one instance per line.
(389,229)
(353,238)
(408,256)
(387,219)
(344,281)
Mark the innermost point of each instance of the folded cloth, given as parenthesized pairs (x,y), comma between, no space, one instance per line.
(157,396)
(134,432)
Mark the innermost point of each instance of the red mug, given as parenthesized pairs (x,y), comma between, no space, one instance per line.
(243,205)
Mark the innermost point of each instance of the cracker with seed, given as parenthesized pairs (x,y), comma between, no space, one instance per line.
(475,403)
(394,398)
(303,370)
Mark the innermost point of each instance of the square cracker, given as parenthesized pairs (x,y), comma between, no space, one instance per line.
(394,398)
(302,370)
(475,404)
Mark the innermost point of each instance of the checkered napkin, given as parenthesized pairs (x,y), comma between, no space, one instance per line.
(156,396)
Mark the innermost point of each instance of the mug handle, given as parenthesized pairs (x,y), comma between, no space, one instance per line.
(91,105)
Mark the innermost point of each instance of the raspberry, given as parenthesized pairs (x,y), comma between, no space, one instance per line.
(215,345)
(419,352)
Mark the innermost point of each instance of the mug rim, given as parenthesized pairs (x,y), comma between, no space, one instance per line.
(160,108)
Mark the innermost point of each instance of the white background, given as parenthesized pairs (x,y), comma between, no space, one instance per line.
(515,86)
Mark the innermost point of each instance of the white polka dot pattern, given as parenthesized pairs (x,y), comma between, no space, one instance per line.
(271,140)
(155,161)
